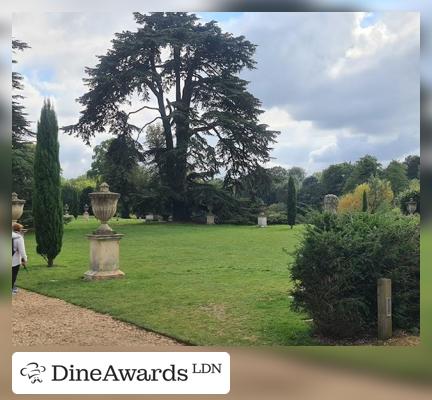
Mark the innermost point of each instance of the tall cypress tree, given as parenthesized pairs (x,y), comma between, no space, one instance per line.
(47,202)
(292,202)
(365,202)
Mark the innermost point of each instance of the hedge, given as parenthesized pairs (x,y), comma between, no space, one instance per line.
(338,262)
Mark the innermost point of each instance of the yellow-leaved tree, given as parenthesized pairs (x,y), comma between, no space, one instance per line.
(353,201)
(379,196)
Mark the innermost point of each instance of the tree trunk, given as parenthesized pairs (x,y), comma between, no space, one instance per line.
(180,211)
(125,210)
(50,262)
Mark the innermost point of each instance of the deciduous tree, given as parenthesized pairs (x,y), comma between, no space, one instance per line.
(364,169)
(396,174)
(311,193)
(413,166)
(334,178)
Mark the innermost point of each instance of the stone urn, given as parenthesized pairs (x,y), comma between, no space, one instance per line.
(86,214)
(411,206)
(104,242)
(262,220)
(17,207)
(331,203)
(104,205)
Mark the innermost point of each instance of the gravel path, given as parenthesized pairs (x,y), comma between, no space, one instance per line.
(41,320)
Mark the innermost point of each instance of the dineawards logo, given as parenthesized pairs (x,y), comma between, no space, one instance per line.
(121,373)
(33,371)
(71,373)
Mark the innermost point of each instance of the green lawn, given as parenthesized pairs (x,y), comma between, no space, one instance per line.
(206,285)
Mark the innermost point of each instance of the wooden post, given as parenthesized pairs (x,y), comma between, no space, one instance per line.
(384,308)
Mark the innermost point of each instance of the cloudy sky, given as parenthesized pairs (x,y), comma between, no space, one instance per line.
(337,85)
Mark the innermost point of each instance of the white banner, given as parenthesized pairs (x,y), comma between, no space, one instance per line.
(121,373)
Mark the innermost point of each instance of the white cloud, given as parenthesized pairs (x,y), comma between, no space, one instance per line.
(369,41)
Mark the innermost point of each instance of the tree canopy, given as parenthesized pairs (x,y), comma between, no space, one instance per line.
(364,169)
(190,71)
(116,160)
(311,193)
(412,163)
(396,174)
(334,178)
(20,124)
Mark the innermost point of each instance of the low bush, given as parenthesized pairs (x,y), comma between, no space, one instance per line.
(67,219)
(277,214)
(338,262)
(245,214)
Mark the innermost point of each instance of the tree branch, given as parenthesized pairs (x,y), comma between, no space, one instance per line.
(218,134)
(146,125)
(142,108)
(204,128)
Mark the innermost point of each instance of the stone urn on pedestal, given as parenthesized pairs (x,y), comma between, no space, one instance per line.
(17,208)
(86,214)
(262,220)
(411,206)
(331,202)
(104,242)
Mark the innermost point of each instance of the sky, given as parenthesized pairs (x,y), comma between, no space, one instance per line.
(336,85)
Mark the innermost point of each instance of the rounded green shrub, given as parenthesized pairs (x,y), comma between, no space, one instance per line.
(276,214)
(338,262)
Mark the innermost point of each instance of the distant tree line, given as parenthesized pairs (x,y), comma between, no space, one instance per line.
(136,174)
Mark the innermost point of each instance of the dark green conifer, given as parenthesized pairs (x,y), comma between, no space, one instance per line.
(47,202)
(365,202)
(291,202)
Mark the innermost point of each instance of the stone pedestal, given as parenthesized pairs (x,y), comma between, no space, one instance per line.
(86,215)
(210,219)
(331,203)
(149,217)
(262,221)
(104,257)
